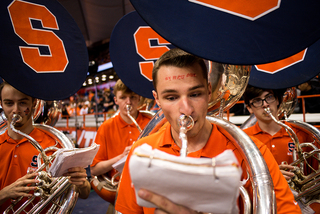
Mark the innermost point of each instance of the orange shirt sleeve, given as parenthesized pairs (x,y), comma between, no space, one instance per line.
(101,140)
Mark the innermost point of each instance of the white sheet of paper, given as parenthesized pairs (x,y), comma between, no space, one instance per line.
(120,164)
(68,158)
(191,182)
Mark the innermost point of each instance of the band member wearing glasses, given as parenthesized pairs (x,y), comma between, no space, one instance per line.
(189,95)
(117,134)
(268,131)
(19,156)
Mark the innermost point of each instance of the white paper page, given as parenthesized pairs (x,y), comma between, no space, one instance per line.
(191,182)
(120,164)
(78,157)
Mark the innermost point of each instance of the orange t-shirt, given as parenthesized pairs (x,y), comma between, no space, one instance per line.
(114,135)
(217,143)
(17,157)
(280,144)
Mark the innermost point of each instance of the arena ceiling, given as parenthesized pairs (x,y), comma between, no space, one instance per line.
(97,18)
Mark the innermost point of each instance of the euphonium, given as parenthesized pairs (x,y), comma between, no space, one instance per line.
(56,195)
(104,186)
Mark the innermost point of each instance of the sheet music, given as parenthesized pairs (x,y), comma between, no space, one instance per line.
(68,158)
(192,182)
(120,164)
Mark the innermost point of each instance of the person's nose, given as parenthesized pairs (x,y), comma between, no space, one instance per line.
(265,104)
(186,106)
(128,101)
(15,108)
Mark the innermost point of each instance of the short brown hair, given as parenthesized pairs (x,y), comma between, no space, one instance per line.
(1,87)
(178,58)
(120,86)
(253,92)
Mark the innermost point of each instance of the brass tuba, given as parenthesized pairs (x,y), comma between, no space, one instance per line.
(56,195)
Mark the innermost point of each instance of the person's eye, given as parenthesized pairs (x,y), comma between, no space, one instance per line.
(195,94)
(270,96)
(8,103)
(171,98)
(256,101)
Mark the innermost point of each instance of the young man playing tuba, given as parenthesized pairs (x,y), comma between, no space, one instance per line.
(117,134)
(18,155)
(190,96)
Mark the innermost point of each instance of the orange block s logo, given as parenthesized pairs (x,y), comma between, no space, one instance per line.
(277,66)
(142,38)
(249,9)
(21,14)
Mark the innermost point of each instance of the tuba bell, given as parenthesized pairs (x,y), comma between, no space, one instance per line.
(56,195)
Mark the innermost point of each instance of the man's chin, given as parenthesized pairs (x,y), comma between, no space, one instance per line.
(18,125)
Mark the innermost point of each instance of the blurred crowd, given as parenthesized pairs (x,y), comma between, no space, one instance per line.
(88,103)
(103,101)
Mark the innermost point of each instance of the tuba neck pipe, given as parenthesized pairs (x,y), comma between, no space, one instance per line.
(17,118)
(186,123)
(290,132)
(129,107)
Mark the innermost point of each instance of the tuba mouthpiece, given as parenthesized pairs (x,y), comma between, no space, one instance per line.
(129,107)
(16,118)
(186,121)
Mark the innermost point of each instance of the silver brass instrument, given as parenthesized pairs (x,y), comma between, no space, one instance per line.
(107,187)
(306,187)
(56,195)
(129,107)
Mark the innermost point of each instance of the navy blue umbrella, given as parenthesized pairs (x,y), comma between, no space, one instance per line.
(134,47)
(43,53)
(288,72)
(235,32)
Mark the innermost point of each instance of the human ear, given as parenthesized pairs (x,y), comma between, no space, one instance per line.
(155,95)
(249,109)
(209,90)
(115,100)
(35,101)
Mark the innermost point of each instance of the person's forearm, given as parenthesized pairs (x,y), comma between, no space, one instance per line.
(85,190)
(104,166)
(2,198)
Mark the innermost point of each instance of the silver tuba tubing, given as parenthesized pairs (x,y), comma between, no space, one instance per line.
(263,191)
(186,123)
(290,132)
(129,107)
(57,193)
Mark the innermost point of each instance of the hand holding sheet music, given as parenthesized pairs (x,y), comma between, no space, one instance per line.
(202,184)
(69,158)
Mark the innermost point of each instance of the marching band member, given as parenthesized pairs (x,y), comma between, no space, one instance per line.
(268,131)
(18,155)
(189,95)
(117,134)
(271,134)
